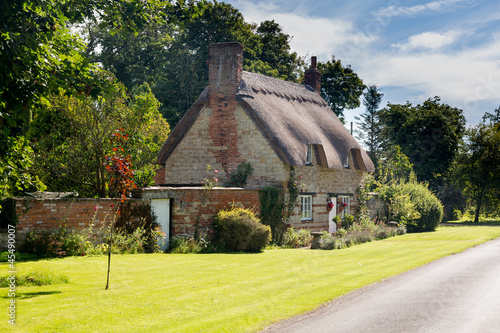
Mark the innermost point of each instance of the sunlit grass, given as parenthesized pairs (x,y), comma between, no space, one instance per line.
(216,292)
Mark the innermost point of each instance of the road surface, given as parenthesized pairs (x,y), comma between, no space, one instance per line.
(458,293)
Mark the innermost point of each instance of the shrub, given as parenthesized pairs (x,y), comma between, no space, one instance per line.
(35,278)
(426,204)
(271,210)
(188,244)
(297,239)
(240,230)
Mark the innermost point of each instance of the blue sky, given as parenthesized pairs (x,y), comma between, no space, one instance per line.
(412,50)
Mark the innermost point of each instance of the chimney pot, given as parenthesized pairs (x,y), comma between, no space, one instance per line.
(312,76)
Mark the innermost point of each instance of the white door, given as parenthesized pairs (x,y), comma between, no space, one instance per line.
(332,226)
(161,208)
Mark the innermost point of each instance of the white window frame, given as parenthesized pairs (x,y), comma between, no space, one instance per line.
(306,204)
(347,210)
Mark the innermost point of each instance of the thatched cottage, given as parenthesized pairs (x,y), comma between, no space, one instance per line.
(271,124)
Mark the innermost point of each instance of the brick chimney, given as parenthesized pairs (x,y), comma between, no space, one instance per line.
(312,76)
(225,70)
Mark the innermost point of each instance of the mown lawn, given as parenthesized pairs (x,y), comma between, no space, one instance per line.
(216,292)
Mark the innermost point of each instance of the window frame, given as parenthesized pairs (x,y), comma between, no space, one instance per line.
(306,207)
(347,209)
(309,155)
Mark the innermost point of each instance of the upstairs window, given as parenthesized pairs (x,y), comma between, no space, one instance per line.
(309,154)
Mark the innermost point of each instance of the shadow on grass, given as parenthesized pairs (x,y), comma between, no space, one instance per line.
(472,223)
(32,295)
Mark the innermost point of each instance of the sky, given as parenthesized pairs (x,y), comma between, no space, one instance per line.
(411,50)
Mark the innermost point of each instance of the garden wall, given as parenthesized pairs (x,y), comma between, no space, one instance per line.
(72,213)
(195,207)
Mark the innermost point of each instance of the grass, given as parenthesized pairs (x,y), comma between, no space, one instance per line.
(470,222)
(216,292)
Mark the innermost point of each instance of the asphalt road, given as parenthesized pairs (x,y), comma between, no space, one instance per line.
(458,293)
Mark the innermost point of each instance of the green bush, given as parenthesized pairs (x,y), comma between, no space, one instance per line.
(188,244)
(296,239)
(426,204)
(240,230)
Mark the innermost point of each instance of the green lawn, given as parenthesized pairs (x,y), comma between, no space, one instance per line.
(216,292)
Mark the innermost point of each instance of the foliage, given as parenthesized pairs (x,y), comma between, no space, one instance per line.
(40,54)
(477,167)
(120,167)
(297,238)
(429,134)
(400,206)
(271,210)
(340,86)
(71,138)
(369,122)
(358,234)
(240,230)
(140,215)
(453,200)
(34,278)
(16,162)
(394,166)
(172,55)
(8,215)
(188,244)
(239,177)
(428,206)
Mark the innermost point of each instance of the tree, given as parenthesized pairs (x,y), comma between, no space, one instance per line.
(369,122)
(477,166)
(40,55)
(429,134)
(172,55)
(340,86)
(71,138)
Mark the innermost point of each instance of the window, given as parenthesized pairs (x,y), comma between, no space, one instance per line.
(309,154)
(346,203)
(346,164)
(306,207)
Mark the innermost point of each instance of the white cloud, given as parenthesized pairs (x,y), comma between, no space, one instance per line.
(428,40)
(395,10)
(469,79)
(322,37)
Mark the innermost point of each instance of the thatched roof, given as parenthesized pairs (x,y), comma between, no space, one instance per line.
(291,116)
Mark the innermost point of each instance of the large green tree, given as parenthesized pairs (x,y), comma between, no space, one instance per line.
(71,138)
(428,133)
(477,166)
(40,55)
(340,86)
(172,56)
(369,123)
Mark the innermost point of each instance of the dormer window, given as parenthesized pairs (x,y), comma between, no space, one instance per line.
(309,155)
(346,164)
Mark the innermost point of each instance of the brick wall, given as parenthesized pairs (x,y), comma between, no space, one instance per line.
(194,206)
(74,214)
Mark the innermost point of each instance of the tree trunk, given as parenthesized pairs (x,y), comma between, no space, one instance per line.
(479,203)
